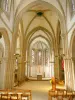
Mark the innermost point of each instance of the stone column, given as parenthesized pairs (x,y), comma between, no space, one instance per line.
(69,74)
(7,73)
(4,74)
(56,67)
(73,73)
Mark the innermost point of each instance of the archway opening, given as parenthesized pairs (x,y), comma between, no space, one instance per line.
(39,60)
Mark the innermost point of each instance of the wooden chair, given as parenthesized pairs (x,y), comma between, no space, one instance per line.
(14,96)
(69,95)
(4,96)
(0,96)
(52,94)
(60,94)
(28,92)
(25,92)
(25,97)
(73,94)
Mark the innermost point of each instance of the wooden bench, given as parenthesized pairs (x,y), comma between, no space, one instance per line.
(61,94)
(15,94)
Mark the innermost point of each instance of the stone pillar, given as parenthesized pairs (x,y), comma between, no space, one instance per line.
(22,66)
(73,73)
(7,73)
(19,69)
(56,67)
(3,73)
(69,74)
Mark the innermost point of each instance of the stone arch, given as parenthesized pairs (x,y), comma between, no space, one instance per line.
(34,40)
(1,64)
(19,16)
(71,43)
(2,49)
(70,64)
(5,59)
(38,37)
(49,35)
(6,40)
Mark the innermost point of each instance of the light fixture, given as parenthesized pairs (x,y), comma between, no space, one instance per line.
(17,55)
(40,13)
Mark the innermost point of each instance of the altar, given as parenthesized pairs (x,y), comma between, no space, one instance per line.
(39,77)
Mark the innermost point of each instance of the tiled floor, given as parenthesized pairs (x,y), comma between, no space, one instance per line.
(39,89)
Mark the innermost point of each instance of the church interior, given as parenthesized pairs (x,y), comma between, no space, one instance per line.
(37,49)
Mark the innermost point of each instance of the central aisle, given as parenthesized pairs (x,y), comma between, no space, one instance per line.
(39,89)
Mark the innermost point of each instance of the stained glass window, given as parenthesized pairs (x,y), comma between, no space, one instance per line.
(46,57)
(33,58)
(0,3)
(73,5)
(5,5)
(39,57)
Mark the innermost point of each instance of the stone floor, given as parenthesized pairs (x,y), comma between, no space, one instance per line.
(39,89)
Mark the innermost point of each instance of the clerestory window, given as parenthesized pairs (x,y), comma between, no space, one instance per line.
(73,5)
(5,5)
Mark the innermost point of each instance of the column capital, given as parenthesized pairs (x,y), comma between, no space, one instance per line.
(62,35)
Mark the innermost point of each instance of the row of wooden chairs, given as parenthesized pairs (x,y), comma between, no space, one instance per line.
(61,95)
(15,94)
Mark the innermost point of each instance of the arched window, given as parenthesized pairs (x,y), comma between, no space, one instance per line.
(33,56)
(0,3)
(73,5)
(5,5)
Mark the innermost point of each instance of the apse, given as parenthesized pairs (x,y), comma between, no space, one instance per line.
(40,59)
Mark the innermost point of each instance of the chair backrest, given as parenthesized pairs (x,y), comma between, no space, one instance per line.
(14,96)
(4,96)
(60,93)
(25,97)
(25,92)
(53,93)
(69,93)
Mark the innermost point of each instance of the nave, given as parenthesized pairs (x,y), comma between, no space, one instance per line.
(39,89)
(37,41)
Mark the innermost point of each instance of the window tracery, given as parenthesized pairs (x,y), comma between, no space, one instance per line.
(5,5)
(33,56)
(73,5)
(39,54)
